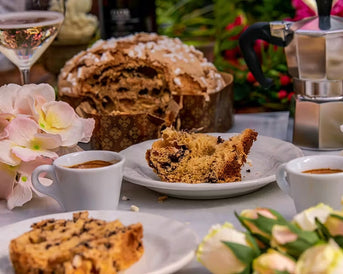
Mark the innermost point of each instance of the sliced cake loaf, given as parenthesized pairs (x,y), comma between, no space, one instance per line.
(199,158)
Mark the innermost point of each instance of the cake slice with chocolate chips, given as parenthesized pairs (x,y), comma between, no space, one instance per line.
(82,245)
(195,158)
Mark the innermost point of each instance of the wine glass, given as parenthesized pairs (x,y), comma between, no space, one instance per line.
(27,32)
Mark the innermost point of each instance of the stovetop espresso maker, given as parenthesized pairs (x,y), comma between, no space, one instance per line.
(314,54)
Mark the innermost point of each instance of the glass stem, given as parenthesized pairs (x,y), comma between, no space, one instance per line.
(25,76)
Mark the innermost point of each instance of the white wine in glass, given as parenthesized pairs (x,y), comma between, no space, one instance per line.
(25,35)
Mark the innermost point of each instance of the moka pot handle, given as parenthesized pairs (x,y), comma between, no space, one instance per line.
(277,33)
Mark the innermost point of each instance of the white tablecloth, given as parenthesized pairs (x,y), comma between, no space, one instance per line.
(198,214)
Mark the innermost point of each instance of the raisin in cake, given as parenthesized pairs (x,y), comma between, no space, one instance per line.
(82,245)
(199,158)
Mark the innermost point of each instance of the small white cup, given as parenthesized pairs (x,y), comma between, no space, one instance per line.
(83,189)
(308,189)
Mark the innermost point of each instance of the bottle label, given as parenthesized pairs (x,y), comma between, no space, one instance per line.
(126,19)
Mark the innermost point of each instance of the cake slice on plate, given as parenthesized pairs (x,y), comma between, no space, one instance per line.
(82,245)
(193,158)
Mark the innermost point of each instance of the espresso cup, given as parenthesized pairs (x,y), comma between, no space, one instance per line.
(83,188)
(308,189)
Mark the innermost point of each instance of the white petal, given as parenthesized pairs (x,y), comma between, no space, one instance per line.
(21,130)
(306,219)
(27,154)
(6,155)
(21,194)
(7,179)
(8,94)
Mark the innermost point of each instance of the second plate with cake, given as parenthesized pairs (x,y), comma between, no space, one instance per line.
(265,156)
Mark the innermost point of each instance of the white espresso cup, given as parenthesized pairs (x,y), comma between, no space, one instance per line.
(309,189)
(83,188)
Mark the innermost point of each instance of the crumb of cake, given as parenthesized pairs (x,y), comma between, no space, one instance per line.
(188,157)
(125,198)
(249,162)
(134,208)
(162,198)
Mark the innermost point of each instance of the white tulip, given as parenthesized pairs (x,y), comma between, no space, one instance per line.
(215,255)
(272,262)
(325,258)
(306,219)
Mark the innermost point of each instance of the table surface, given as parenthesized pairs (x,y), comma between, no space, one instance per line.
(200,215)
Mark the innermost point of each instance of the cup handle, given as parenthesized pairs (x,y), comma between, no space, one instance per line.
(51,190)
(281,179)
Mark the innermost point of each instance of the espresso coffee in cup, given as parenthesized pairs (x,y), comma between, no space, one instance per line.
(310,180)
(83,180)
(323,171)
(93,164)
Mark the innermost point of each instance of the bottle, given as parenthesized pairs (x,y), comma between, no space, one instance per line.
(124,17)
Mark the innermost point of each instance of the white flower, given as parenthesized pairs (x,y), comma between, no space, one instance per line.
(325,258)
(272,262)
(306,219)
(218,257)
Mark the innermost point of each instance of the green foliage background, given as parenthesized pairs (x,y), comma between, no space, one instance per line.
(201,22)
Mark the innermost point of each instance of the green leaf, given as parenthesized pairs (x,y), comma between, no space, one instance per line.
(241,92)
(243,253)
(339,240)
(304,240)
(253,243)
(296,248)
(235,30)
(228,44)
(322,231)
(336,216)
(310,237)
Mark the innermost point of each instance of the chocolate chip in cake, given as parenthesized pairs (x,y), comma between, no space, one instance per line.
(220,140)
(143,91)
(147,72)
(156,91)
(122,89)
(85,244)
(212,180)
(165,165)
(108,245)
(84,229)
(112,233)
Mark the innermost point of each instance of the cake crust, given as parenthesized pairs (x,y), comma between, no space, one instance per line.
(82,245)
(136,74)
(193,158)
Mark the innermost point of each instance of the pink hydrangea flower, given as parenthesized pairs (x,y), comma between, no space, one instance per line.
(33,127)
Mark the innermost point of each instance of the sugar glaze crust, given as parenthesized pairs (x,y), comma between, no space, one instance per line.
(137,74)
(195,158)
(82,245)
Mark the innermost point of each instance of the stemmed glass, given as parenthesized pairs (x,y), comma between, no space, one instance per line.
(27,32)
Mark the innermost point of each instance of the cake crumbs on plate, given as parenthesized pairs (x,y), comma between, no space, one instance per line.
(161,199)
(249,162)
(125,198)
(134,208)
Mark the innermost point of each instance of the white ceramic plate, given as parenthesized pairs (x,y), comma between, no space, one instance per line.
(265,156)
(169,245)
